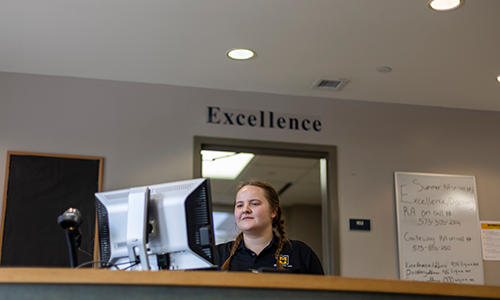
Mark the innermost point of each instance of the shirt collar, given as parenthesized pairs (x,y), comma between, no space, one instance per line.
(273,242)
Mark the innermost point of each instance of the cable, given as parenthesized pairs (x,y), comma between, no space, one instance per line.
(109,264)
(95,262)
(131,266)
(85,252)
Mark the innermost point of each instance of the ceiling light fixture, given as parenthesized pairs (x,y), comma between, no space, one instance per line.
(240,54)
(445,5)
(223,164)
(498,78)
(384,69)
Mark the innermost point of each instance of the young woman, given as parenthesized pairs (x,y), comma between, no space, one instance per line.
(263,242)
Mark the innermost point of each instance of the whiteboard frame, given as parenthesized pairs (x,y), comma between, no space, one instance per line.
(398,217)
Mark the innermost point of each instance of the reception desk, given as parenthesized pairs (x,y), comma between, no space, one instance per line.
(45,283)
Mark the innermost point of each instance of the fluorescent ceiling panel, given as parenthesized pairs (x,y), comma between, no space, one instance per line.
(223,164)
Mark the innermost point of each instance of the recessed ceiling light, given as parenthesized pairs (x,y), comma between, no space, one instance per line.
(445,5)
(498,78)
(384,69)
(240,54)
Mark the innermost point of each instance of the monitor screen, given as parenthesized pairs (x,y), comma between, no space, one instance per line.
(161,226)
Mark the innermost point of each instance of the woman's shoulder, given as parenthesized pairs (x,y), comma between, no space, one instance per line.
(223,252)
(300,248)
(304,253)
(224,247)
(299,245)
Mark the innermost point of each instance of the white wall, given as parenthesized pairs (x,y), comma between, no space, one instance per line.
(145,133)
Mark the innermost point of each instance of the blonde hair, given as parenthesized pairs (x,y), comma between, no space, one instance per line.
(278,224)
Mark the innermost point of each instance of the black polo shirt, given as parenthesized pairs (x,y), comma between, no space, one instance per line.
(296,257)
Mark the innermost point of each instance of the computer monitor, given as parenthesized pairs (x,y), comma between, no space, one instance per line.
(162,226)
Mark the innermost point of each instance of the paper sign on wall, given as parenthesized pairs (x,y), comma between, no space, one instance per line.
(490,240)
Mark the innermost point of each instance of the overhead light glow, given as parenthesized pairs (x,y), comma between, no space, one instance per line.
(445,5)
(240,54)
(498,78)
(223,164)
(384,69)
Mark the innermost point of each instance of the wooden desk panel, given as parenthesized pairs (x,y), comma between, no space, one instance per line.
(211,284)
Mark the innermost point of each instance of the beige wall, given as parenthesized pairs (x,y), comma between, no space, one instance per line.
(145,133)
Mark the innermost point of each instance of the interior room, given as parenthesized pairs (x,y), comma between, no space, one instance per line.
(392,85)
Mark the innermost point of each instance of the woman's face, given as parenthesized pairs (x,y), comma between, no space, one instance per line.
(252,211)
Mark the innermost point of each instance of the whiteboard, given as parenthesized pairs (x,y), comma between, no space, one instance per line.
(438,228)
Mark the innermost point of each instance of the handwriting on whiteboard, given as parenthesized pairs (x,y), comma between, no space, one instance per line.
(438,236)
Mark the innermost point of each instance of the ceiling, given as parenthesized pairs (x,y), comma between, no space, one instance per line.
(446,59)
(301,175)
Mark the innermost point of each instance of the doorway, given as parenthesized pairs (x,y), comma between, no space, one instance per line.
(308,165)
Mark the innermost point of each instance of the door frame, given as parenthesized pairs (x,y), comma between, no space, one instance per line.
(328,177)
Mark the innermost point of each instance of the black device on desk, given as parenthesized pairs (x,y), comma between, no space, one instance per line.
(270,270)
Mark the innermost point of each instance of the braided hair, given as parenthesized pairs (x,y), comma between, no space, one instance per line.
(278,223)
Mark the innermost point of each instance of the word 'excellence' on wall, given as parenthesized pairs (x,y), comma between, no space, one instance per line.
(262,119)
(438,228)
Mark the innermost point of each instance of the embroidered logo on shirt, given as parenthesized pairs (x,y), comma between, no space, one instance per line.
(283,259)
